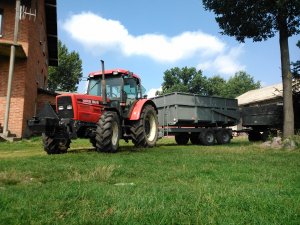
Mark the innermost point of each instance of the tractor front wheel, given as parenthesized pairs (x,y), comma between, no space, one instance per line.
(108,133)
(54,145)
(145,130)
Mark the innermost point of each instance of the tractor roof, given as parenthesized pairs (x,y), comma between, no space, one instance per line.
(121,72)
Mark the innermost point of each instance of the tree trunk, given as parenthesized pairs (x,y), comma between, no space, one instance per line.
(288,110)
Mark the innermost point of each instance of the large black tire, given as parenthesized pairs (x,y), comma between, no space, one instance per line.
(144,131)
(182,138)
(108,132)
(207,137)
(195,139)
(54,145)
(223,137)
(254,136)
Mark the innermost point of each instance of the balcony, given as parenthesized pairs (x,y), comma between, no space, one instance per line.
(5,47)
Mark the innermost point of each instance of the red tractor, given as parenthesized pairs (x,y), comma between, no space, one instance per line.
(113,108)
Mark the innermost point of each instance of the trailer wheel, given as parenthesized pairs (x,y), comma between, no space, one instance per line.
(207,137)
(182,138)
(223,137)
(195,139)
(145,130)
(108,133)
(266,135)
(54,145)
(254,136)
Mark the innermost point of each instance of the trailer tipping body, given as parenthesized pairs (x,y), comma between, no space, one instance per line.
(195,117)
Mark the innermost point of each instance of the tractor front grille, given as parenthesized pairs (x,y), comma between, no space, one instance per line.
(64,107)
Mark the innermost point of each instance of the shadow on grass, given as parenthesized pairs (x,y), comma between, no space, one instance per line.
(132,149)
(123,149)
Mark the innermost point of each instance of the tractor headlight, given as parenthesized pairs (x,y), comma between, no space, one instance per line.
(69,107)
(61,107)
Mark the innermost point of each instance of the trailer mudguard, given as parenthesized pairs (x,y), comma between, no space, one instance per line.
(138,107)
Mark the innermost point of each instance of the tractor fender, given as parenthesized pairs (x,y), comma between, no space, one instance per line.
(138,107)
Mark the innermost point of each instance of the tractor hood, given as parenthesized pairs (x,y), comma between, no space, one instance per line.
(86,108)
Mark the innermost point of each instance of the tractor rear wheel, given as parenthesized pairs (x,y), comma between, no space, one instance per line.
(54,145)
(145,130)
(108,132)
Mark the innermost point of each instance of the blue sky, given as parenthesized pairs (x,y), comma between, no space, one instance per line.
(149,37)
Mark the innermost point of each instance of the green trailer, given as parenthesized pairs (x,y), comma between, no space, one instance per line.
(264,121)
(201,119)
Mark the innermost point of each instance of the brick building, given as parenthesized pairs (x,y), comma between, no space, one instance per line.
(35,51)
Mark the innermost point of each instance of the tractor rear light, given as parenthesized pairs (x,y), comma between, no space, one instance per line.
(61,107)
(69,107)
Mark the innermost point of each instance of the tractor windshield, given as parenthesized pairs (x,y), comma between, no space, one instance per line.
(113,87)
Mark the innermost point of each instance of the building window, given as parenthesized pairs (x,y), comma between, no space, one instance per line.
(1,22)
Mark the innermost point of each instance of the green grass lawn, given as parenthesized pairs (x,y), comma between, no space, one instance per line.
(239,183)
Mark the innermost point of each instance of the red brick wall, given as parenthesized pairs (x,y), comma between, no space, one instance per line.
(30,73)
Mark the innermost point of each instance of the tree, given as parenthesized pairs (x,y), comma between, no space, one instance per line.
(66,76)
(184,80)
(190,80)
(216,86)
(261,20)
(239,84)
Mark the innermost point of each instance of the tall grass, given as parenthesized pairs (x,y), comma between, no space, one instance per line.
(239,183)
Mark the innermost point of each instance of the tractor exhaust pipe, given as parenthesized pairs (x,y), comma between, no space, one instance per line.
(103,85)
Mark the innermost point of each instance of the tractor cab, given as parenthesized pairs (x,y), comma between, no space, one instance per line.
(120,86)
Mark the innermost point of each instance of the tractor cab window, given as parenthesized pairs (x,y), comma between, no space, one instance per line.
(113,87)
(130,88)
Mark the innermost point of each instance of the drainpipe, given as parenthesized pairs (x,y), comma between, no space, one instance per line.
(11,68)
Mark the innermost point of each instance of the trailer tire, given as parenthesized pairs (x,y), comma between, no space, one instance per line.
(266,135)
(223,137)
(195,139)
(108,132)
(182,138)
(254,136)
(54,145)
(145,130)
(207,137)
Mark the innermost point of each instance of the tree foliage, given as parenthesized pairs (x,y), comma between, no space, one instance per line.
(254,19)
(296,66)
(239,84)
(190,80)
(261,20)
(66,76)
(184,80)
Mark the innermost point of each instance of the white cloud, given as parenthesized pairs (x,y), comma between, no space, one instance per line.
(102,34)
(225,63)
(151,92)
